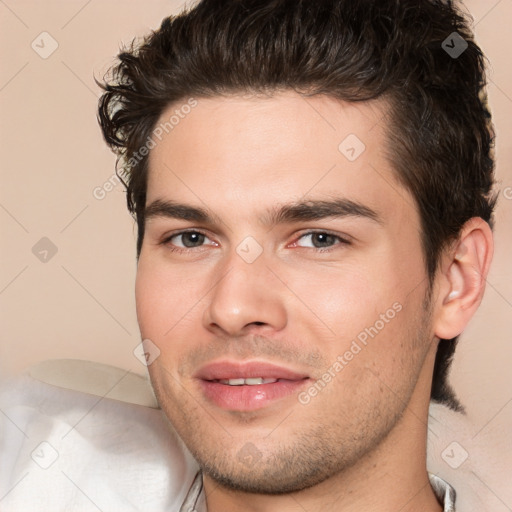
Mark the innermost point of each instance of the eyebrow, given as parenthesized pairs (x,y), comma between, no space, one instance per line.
(289,213)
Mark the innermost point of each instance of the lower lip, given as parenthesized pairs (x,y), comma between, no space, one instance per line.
(249,398)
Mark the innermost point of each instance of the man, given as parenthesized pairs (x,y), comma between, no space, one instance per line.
(312,187)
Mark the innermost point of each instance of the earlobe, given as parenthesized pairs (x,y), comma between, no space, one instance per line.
(463,278)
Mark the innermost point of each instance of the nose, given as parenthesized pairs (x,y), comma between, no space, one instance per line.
(247,296)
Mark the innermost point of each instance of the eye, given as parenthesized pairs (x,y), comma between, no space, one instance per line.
(184,240)
(321,240)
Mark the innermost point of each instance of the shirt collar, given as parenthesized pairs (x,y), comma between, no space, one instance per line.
(444,492)
(195,501)
(191,503)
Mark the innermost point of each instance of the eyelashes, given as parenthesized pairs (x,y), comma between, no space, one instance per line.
(184,249)
(328,235)
(199,237)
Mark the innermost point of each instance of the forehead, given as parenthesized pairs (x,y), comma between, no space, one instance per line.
(254,151)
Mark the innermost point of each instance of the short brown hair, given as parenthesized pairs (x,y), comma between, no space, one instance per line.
(418,54)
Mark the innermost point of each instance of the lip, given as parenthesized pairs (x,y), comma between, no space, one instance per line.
(221,370)
(245,397)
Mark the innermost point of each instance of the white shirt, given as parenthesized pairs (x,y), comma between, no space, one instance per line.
(62,450)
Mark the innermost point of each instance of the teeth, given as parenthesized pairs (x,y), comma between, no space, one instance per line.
(235,382)
(253,381)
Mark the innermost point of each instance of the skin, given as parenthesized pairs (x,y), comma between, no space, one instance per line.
(359,443)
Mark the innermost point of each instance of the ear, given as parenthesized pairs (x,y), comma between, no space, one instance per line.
(462,278)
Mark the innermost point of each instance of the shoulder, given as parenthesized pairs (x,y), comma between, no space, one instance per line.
(65,450)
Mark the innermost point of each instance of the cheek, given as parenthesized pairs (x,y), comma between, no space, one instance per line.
(169,307)
(160,297)
(147,298)
(346,300)
(375,368)
(372,312)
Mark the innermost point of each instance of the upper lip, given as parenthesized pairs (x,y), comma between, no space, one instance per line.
(224,370)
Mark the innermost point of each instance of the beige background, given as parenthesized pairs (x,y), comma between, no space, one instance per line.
(80,303)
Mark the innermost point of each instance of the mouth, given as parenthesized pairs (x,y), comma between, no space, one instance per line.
(254,381)
(248,386)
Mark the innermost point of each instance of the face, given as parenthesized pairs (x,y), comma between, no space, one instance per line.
(281,284)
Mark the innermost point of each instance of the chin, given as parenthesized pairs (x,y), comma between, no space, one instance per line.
(271,484)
